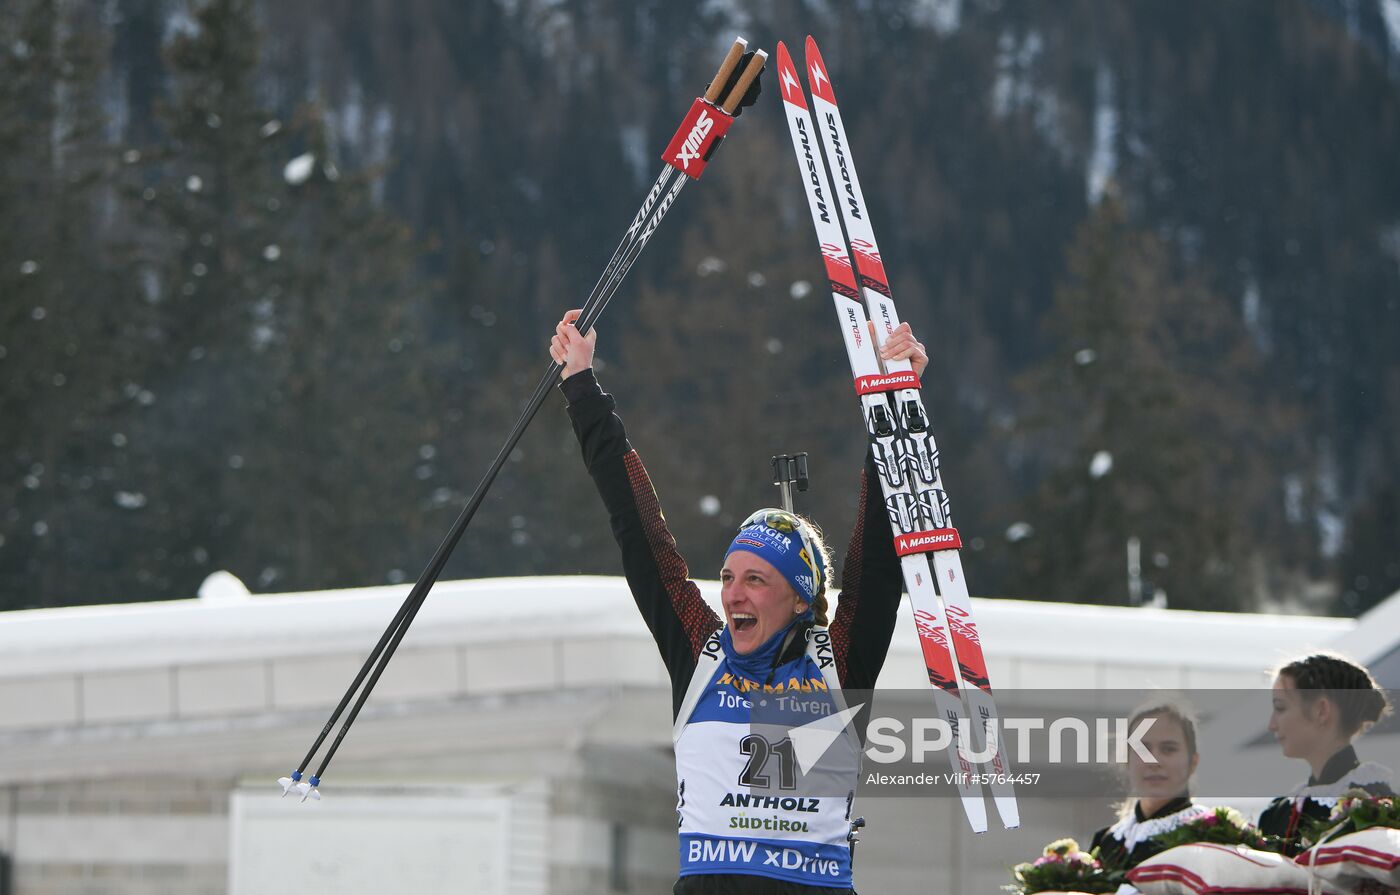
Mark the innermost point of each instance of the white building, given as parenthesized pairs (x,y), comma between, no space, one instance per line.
(519,742)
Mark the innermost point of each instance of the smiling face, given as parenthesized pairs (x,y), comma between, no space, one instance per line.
(758,601)
(1301,727)
(1170,775)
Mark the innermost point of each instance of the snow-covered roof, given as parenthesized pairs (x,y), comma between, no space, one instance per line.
(229,627)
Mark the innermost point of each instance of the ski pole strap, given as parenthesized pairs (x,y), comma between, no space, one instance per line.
(927,541)
(886,382)
(750,74)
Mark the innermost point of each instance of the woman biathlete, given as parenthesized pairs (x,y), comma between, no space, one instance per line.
(773,638)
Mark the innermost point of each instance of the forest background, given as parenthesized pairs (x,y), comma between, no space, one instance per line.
(276,278)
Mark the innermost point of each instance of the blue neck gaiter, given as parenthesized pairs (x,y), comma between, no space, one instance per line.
(758,663)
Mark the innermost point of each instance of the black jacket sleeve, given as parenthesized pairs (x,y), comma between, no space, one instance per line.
(871,583)
(679,618)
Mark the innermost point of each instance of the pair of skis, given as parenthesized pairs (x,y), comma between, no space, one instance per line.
(699,134)
(903,445)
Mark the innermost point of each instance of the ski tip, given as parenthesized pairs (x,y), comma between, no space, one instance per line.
(816,72)
(787,79)
(976,811)
(1010,816)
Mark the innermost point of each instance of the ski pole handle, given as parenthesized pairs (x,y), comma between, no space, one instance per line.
(726,69)
(760,58)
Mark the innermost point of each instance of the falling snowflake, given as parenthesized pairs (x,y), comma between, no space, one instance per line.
(1019,531)
(757,280)
(1085,356)
(270,128)
(29,267)
(1101,465)
(272,252)
(130,500)
(299,169)
(709,505)
(799,290)
(710,265)
(194,183)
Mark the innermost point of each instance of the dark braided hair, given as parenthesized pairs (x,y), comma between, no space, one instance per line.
(1359,700)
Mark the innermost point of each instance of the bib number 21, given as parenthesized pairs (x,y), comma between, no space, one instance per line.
(758,748)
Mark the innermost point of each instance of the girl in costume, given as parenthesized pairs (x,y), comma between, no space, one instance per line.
(774,638)
(1321,703)
(1162,788)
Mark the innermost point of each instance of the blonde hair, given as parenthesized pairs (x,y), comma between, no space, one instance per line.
(817,541)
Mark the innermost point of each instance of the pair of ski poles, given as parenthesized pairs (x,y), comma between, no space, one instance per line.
(693,144)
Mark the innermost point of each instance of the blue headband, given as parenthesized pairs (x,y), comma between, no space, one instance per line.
(777,536)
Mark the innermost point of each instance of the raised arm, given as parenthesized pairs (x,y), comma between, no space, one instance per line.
(871,580)
(678,617)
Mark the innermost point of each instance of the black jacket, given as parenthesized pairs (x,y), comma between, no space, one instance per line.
(679,618)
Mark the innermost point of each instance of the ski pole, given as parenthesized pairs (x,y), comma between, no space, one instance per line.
(695,141)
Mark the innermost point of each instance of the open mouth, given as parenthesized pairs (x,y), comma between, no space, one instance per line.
(742,621)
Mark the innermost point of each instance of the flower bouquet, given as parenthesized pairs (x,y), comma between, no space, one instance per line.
(1222,826)
(1063,867)
(1355,811)
(1356,848)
